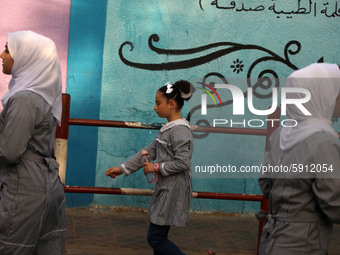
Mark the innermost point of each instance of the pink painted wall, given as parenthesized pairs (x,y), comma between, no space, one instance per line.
(47,17)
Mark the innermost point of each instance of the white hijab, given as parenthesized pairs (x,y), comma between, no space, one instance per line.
(323,82)
(36,68)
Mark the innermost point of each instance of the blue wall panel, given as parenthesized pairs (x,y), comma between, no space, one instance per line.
(87,33)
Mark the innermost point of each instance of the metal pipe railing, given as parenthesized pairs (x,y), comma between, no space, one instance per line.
(144,125)
(149,192)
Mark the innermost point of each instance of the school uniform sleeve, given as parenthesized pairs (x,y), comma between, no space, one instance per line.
(181,142)
(21,114)
(327,184)
(265,183)
(133,164)
(264,180)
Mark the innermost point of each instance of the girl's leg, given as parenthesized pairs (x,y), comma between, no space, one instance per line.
(158,240)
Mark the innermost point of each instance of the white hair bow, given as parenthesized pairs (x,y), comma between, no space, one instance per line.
(169,88)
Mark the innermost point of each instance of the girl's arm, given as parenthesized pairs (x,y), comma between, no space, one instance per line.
(132,164)
(182,146)
(21,117)
(264,178)
(113,172)
(327,182)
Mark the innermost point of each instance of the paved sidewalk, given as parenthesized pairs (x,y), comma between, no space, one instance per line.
(110,231)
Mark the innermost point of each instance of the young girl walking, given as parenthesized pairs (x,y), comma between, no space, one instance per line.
(172,150)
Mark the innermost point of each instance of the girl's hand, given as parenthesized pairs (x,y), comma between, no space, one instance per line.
(113,172)
(148,167)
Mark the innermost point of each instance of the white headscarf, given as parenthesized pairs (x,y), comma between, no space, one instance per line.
(36,68)
(323,82)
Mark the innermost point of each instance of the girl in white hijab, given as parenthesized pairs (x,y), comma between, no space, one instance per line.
(322,81)
(36,68)
(32,203)
(304,198)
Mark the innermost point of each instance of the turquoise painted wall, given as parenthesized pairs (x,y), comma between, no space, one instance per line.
(84,74)
(269,37)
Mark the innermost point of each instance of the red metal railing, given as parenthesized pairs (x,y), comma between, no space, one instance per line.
(62,132)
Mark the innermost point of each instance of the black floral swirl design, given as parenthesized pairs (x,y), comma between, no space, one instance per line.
(229,47)
(266,78)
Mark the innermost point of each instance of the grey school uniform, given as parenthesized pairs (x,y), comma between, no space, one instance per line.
(303,207)
(32,204)
(173,149)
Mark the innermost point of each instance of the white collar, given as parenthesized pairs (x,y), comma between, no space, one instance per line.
(178,122)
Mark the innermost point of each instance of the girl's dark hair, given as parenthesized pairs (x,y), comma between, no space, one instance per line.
(180,91)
